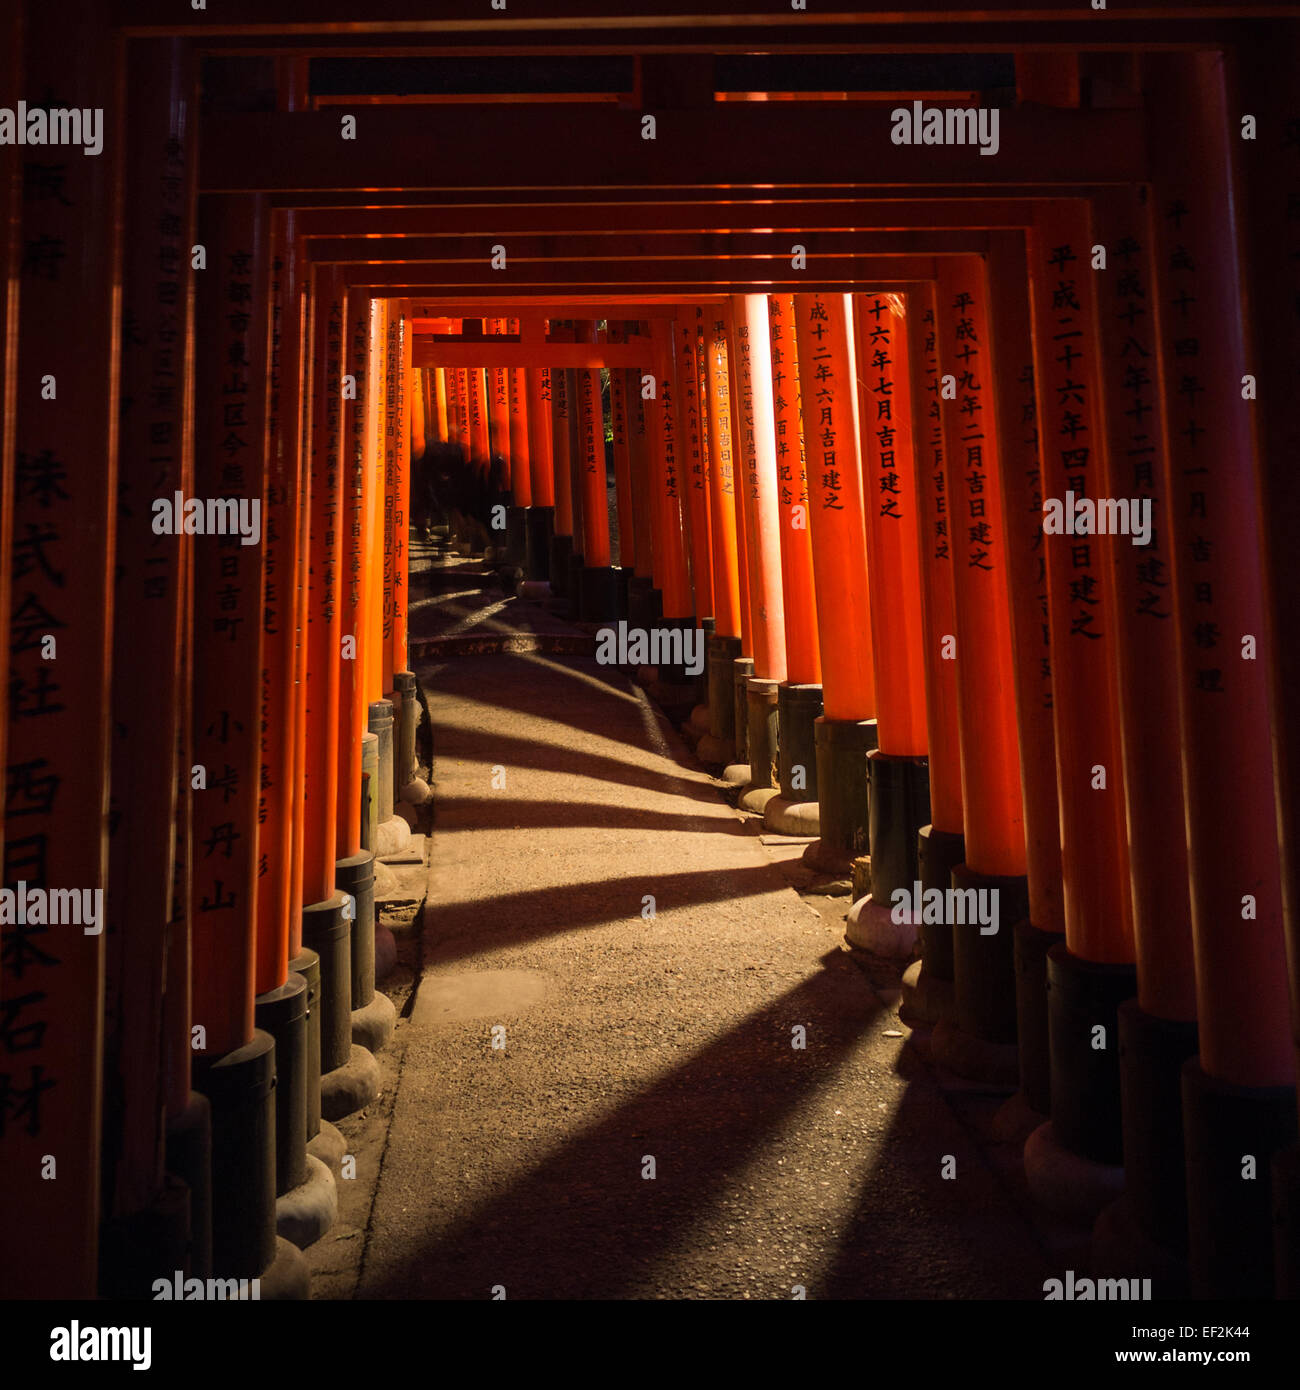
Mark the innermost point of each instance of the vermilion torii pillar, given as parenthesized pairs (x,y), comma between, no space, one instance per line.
(563,541)
(349,1072)
(521,478)
(846,731)
(928,985)
(541,514)
(150,1222)
(899,782)
(61,509)
(598,596)
(1270,170)
(695,464)
(1238,1097)
(725,646)
(981,1040)
(644,597)
(626,506)
(234,1062)
(1022,507)
(757,426)
(1092,973)
(662,426)
(1157,1030)
(799,697)
(281,1003)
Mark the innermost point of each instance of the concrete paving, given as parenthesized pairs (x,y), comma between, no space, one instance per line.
(646,1124)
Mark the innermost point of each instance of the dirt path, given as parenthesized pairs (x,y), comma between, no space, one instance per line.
(563,803)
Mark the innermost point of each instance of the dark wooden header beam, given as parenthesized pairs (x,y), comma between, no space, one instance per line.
(655,219)
(383,20)
(633,250)
(757,144)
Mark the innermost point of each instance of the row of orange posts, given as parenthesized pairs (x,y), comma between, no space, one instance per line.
(847,491)
(1042,755)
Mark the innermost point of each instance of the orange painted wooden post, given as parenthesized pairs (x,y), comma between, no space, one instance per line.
(1022,508)
(645,598)
(146,1227)
(799,699)
(352,701)
(1270,170)
(11,189)
(521,481)
(62,511)
(983,959)
(282,1003)
(325,588)
(541,467)
(330,758)
(726,337)
(803,661)
(280,508)
(376,450)
(695,465)
(437,420)
(1157,1030)
(940,847)
(340,928)
(756,423)
(409,449)
(617,333)
(663,430)
(1092,974)
(846,731)
(726,645)
(477,410)
(234,1063)
(397,497)
(1239,1097)
(898,775)
(563,542)
(598,597)
(521,478)
(498,408)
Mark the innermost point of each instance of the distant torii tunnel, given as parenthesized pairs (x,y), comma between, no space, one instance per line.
(950,491)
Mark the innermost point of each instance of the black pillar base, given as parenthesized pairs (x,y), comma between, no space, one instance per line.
(709,628)
(843,797)
(328,931)
(742,669)
(1032,946)
(899,806)
(799,707)
(561,549)
(282,1014)
(1083,996)
(938,853)
(355,878)
(622,581)
(1152,1053)
(238,1087)
(598,594)
(539,528)
(516,549)
(307,964)
(573,586)
(1230,1214)
(719,744)
(984,968)
(189,1157)
(148,1244)
(379,721)
(1286,1222)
